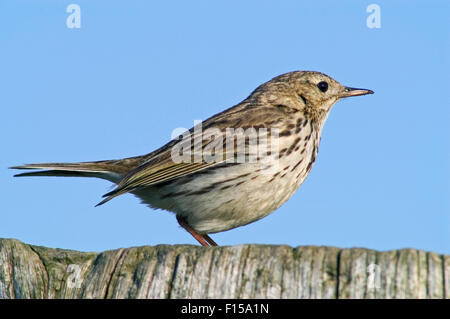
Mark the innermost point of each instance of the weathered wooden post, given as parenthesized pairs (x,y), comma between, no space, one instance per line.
(246,271)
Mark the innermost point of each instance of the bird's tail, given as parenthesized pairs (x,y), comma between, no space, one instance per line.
(109,170)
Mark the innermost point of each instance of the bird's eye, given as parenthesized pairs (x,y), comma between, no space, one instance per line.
(323,86)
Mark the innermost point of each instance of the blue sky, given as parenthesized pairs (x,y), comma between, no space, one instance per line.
(136,70)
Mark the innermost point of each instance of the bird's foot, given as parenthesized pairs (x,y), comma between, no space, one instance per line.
(204,240)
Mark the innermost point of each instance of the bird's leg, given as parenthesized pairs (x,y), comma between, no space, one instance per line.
(209,240)
(204,240)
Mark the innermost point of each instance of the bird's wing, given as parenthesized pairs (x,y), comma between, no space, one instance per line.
(148,175)
(160,167)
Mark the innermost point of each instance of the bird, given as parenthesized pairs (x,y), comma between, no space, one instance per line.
(212,177)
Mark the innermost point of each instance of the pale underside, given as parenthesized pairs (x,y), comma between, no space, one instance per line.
(227,196)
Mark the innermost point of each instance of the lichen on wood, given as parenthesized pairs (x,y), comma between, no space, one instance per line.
(244,271)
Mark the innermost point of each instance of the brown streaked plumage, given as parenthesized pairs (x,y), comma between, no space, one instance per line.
(213,196)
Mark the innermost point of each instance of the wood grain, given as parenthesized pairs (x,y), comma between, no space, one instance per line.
(245,271)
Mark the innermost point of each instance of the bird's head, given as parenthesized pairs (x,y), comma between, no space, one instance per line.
(312,92)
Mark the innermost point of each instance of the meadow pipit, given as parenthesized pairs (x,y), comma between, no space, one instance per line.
(238,167)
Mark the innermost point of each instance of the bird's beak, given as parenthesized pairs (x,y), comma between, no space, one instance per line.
(354,92)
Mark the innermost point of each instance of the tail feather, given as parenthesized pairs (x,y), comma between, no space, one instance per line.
(59,173)
(112,170)
(103,170)
(82,166)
